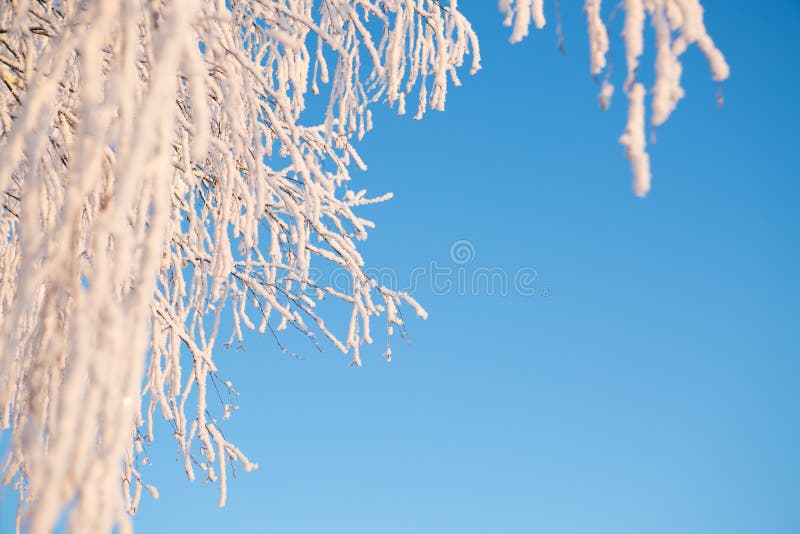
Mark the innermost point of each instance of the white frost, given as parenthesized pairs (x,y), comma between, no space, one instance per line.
(678,24)
(159,169)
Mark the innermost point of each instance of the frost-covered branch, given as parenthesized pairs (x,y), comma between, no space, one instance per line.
(155,172)
(677,23)
(160,171)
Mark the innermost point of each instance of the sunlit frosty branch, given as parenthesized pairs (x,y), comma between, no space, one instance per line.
(677,24)
(160,170)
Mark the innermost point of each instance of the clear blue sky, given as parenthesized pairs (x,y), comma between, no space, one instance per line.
(656,389)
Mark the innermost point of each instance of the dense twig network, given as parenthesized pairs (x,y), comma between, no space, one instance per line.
(156,170)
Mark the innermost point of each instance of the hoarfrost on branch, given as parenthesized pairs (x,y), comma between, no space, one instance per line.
(157,171)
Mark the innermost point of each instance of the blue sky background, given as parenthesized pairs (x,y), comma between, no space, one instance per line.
(656,389)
